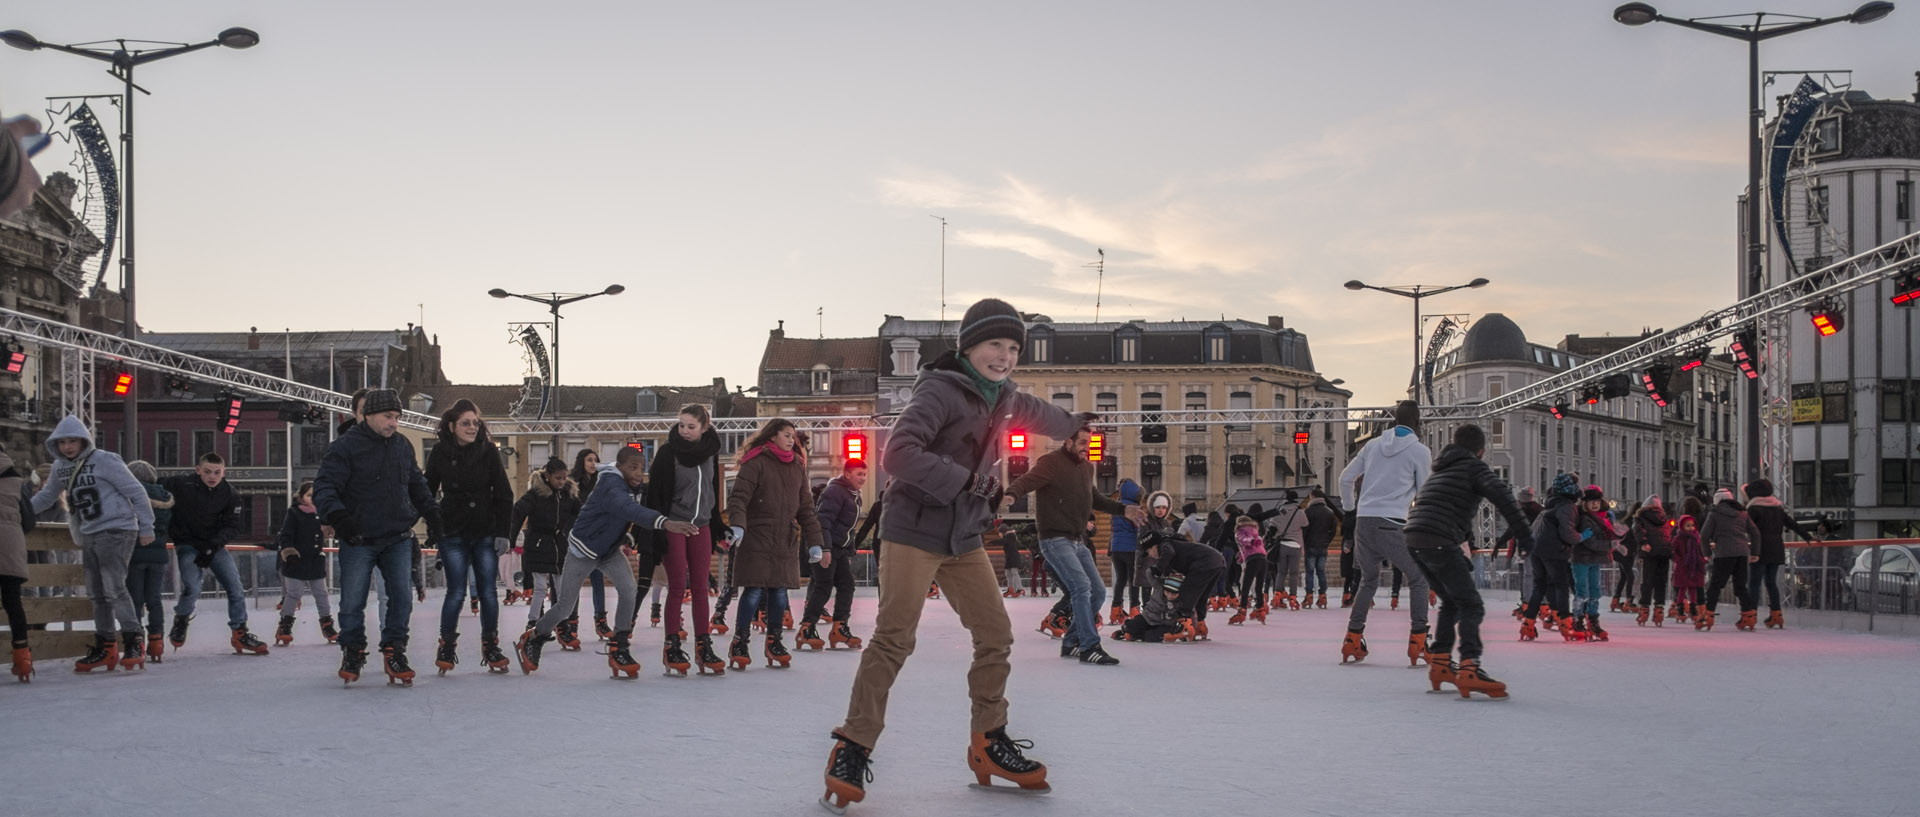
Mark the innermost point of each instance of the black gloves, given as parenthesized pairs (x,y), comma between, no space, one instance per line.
(434,526)
(345,530)
(985,486)
(203,557)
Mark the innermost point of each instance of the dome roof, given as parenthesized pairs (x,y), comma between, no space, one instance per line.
(1494,337)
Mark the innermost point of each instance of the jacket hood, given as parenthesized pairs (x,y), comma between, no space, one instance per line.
(1765,502)
(1129,492)
(68,429)
(1392,445)
(540,487)
(1728,506)
(1452,455)
(1158,496)
(1654,515)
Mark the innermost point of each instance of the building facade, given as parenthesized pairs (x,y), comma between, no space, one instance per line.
(1847,185)
(802,378)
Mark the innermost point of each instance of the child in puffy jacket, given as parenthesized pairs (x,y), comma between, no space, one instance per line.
(1689,570)
(1599,540)
(1253,562)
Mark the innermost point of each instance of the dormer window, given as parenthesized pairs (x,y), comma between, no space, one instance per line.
(1126,344)
(1040,344)
(822,379)
(1218,343)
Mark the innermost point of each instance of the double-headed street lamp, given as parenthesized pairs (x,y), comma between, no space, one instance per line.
(1639,14)
(1416,292)
(123,60)
(555,300)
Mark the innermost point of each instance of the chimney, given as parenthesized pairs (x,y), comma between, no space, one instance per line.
(1916,86)
(1276,322)
(253,338)
(780,331)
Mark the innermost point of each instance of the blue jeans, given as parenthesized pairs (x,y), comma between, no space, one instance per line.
(458,556)
(1316,572)
(751,599)
(394,556)
(1073,563)
(1586,589)
(223,570)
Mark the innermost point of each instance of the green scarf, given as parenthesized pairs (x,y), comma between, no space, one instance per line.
(989,389)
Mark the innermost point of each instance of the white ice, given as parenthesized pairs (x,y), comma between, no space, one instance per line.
(1262,721)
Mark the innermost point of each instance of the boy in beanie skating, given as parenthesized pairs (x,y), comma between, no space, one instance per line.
(371,492)
(1440,524)
(942,458)
(1555,533)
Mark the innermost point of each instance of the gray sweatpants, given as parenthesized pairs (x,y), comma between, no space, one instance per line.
(1378,539)
(619,574)
(292,589)
(542,582)
(105,556)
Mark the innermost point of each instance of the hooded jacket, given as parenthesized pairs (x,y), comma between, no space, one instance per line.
(1728,531)
(1650,528)
(608,512)
(105,496)
(1771,520)
(768,497)
(1689,559)
(476,496)
(1322,523)
(1250,542)
(374,480)
(1126,537)
(1290,525)
(1395,465)
(155,552)
(839,508)
(1598,548)
(547,516)
(946,436)
(1451,497)
(1555,532)
(14,515)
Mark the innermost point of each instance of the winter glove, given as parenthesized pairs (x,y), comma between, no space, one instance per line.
(985,486)
(203,558)
(501,545)
(434,526)
(736,533)
(813,555)
(345,530)
(1586,534)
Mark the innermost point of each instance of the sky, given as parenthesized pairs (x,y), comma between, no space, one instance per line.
(735,165)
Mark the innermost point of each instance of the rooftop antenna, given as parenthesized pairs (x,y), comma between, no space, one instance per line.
(820,314)
(943,270)
(1100,281)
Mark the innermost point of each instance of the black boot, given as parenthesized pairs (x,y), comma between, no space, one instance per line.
(619,658)
(703,653)
(848,773)
(326,629)
(448,655)
(398,670)
(600,627)
(528,650)
(491,655)
(351,660)
(674,655)
(283,635)
(654,615)
(737,653)
(568,633)
(178,634)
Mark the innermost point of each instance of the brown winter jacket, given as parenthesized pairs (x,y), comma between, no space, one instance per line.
(13,540)
(768,497)
(1066,496)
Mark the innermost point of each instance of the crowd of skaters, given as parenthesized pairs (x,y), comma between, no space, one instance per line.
(1411,515)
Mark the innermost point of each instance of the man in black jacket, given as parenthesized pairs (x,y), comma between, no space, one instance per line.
(1437,530)
(838,509)
(1321,525)
(206,516)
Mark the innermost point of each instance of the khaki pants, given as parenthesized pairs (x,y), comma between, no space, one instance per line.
(972,590)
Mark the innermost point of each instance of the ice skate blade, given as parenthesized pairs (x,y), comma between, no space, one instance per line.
(826,802)
(1011,789)
(1484,698)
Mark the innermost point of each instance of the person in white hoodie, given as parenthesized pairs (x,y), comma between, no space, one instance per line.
(1382,482)
(108,513)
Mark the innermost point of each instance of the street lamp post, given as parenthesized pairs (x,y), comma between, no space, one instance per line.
(555,300)
(1639,14)
(123,60)
(1416,292)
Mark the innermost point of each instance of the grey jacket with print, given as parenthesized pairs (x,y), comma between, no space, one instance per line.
(946,434)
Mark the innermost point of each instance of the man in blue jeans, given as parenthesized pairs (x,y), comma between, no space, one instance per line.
(371,492)
(206,516)
(1063,480)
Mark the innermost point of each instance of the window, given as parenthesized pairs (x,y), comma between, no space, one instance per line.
(1497,433)
(1496,386)
(1826,135)
(166,449)
(1196,475)
(1040,345)
(822,379)
(1894,405)
(1240,401)
(1817,204)
(1576,442)
(240,449)
(1218,345)
(1150,469)
(246,518)
(1903,201)
(1126,345)
(314,442)
(1106,402)
(202,444)
(1545,432)
(1899,482)
(277,449)
(1063,399)
(1150,404)
(276,512)
(1197,401)
(1833,486)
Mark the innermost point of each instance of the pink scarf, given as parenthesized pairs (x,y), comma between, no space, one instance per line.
(306,509)
(784,455)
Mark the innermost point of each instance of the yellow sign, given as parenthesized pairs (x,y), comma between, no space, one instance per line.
(1806,410)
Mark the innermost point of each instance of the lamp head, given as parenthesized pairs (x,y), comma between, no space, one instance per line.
(238,37)
(1336,381)
(497,292)
(20,39)
(613,289)
(1870,12)
(1356,285)
(1476,283)
(1635,14)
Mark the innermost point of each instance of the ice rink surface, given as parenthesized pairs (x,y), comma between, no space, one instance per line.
(1264,720)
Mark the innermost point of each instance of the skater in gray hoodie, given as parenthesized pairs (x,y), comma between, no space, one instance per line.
(108,513)
(1394,466)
